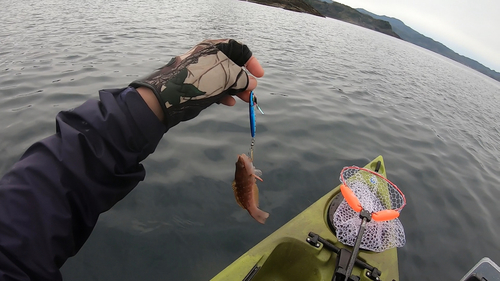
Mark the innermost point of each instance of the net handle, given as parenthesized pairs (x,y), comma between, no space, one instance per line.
(353,201)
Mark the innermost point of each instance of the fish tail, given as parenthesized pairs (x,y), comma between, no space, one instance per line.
(258,214)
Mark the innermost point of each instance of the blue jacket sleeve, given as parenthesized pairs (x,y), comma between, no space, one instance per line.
(52,197)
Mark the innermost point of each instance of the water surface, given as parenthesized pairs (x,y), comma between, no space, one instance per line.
(334,95)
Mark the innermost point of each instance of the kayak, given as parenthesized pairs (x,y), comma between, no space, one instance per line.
(485,269)
(306,249)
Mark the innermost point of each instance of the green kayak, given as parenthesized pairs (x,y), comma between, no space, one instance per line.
(307,249)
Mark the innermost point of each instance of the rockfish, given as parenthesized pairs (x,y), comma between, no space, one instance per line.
(245,188)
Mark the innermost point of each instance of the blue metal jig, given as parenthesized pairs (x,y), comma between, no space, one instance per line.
(251,110)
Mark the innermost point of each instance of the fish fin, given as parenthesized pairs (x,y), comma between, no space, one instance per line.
(257,172)
(258,215)
(236,195)
(257,177)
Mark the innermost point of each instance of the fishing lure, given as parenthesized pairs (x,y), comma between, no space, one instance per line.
(251,110)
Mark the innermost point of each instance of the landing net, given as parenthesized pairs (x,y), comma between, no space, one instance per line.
(378,196)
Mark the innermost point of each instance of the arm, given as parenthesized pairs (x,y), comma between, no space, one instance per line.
(52,198)
(152,102)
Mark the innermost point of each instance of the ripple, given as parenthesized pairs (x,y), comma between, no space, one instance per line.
(21,108)
(330,101)
(28,94)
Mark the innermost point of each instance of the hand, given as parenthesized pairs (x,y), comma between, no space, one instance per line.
(210,72)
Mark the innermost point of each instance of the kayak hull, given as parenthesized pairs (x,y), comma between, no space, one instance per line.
(286,255)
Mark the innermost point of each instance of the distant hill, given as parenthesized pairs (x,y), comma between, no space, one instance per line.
(292,5)
(383,24)
(408,34)
(345,13)
(333,10)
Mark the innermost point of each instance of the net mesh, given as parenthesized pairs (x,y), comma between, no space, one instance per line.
(375,193)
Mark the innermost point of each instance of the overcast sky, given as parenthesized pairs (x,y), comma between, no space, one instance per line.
(468,27)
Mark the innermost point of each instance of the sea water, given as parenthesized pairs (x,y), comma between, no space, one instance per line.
(334,95)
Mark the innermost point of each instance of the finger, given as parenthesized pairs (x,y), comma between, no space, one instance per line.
(254,67)
(252,83)
(228,100)
(244,96)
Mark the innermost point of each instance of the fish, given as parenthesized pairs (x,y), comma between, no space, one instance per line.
(245,188)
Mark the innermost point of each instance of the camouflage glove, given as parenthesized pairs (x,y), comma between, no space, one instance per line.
(193,81)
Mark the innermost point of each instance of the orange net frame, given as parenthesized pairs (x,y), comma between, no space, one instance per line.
(367,190)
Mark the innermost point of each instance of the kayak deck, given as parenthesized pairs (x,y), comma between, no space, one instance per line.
(286,255)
